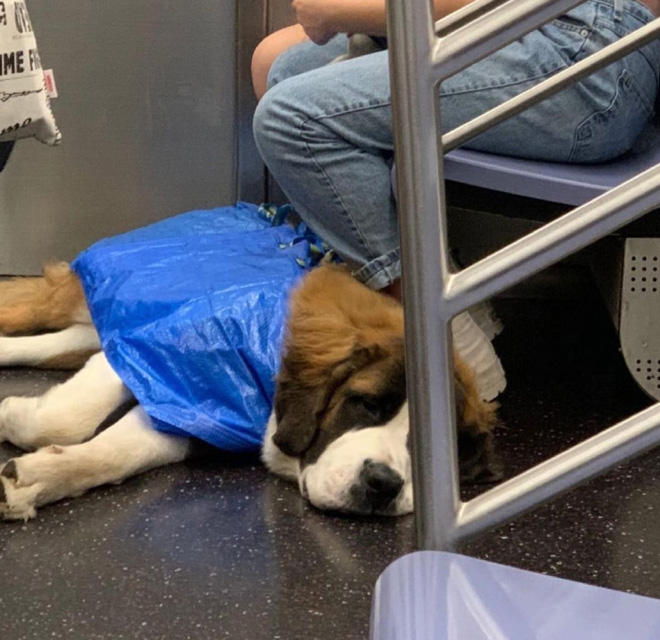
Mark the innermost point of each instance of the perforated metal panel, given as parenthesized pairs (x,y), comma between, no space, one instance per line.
(640,312)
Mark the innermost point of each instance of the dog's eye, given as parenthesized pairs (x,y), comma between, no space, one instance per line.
(370,403)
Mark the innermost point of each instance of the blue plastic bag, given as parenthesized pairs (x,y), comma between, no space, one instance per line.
(191,313)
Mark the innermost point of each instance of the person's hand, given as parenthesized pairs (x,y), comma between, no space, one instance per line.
(312,15)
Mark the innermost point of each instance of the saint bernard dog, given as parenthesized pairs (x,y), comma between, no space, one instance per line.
(339,428)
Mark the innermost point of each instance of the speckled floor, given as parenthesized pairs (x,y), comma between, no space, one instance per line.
(209,550)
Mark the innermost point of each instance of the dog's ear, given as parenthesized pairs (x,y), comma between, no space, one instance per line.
(476,420)
(478,459)
(299,406)
(297,412)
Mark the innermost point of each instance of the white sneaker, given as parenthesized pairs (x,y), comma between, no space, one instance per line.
(472,341)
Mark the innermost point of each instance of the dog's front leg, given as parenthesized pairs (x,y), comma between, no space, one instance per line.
(127,448)
(68,413)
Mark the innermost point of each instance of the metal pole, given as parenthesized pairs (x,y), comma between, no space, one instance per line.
(425,268)
(464,15)
(492,31)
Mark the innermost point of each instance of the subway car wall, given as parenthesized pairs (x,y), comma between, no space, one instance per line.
(147,111)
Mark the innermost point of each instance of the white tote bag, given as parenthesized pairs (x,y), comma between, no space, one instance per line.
(24,104)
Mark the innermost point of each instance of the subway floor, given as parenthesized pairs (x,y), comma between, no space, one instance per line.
(217,548)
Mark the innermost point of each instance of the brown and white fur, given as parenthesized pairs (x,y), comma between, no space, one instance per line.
(339,429)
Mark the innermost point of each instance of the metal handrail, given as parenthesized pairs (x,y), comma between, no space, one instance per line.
(465,14)
(554,241)
(419,59)
(584,461)
(491,31)
(460,135)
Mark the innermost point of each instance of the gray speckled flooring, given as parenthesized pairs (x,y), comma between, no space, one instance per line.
(218,549)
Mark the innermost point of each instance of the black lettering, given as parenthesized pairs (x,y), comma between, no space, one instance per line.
(18,18)
(10,129)
(3,14)
(22,18)
(15,127)
(13,62)
(33,57)
(8,63)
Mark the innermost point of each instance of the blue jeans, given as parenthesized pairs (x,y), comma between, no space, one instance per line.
(325,130)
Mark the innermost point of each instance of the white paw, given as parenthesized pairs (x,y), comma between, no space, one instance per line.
(17,501)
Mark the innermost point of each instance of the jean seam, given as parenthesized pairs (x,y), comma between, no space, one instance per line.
(602,112)
(641,51)
(636,12)
(381,266)
(645,104)
(557,23)
(383,261)
(491,87)
(343,208)
(351,110)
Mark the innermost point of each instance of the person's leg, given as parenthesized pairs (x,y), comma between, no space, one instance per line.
(305,56)
(326,135)
(268,50)
(289,52)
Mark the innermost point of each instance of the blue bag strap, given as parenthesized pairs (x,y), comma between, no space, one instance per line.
(318,249)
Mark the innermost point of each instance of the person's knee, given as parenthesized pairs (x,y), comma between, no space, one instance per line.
(268,51)
(270,124)
(262,60)
(278,123)
(262,126)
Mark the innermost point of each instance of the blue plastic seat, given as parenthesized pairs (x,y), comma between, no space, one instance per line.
(569,184)
(442,596)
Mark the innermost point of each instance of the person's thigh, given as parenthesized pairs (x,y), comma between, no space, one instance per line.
(352,99)
(596,119)
(304,57)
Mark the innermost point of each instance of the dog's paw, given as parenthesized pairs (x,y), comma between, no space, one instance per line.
(17,501)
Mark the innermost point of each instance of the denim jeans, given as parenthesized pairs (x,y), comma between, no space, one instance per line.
(325,130)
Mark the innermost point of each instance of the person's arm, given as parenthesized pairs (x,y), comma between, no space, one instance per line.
(322,19)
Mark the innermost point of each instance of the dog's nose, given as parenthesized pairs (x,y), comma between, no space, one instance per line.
(382,483)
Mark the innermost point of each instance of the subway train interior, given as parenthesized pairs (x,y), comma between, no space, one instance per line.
(329,319)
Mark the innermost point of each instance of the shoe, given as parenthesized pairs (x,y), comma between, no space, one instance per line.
(473,344)
(486,318)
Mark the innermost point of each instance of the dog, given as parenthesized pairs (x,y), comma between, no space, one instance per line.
(339,428)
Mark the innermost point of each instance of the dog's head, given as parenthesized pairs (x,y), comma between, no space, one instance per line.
(340,424)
